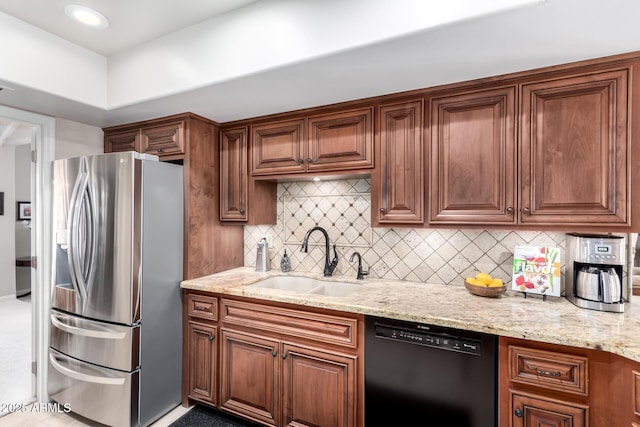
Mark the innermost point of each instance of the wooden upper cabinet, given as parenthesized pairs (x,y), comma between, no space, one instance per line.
(163,140)
(323,143)
(233,174)
(398,183)
(122,141)
(340,141)
(575,150)
(277,148)
(473,157)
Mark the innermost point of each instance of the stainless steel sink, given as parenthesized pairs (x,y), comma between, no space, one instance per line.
(307,285)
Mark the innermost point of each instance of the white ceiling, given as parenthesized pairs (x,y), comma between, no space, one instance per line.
(132,22)
(553,32)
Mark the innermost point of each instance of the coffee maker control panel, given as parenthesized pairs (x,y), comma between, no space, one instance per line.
(597,251)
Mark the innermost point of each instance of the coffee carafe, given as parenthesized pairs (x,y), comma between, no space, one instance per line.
(594,271)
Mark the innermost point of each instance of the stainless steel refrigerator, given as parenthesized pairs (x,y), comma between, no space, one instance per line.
(115,343)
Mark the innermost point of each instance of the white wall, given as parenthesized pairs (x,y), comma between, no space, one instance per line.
(75,139)
(7,222)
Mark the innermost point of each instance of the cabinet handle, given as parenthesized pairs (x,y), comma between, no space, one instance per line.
(210,337)
(518,413)
(300,161)
(241,211)
(547,373)
(509,209)
(284,355)
(527,211)
(274,353)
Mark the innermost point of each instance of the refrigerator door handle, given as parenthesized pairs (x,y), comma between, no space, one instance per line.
(81,229)
(91,333)
(82,376)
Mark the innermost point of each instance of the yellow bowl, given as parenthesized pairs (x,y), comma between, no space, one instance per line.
(485,291)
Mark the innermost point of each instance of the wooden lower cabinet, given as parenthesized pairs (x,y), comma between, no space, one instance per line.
(548,385)
(273,364)
(319,387)
(249,375)
(202,346)
(532,411)
(284,384)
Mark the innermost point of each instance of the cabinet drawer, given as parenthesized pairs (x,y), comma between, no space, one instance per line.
(301,324)
(552,370)
(202,306)
(163,140)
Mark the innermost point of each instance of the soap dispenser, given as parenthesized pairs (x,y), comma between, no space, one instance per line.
(262,256)
(285,264)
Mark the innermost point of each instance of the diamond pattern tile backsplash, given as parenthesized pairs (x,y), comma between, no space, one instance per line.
(343,208)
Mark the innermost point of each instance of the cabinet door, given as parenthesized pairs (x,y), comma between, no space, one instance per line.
(529,411)
(202,362)
(575,150)
(166,140)
(473,157)
(250,376)
(340,141)
(319,388)
(277,148)
(233,175)
(121,141)
(400,183)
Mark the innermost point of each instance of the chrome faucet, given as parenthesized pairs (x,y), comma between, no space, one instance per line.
(328,266)
(361,273)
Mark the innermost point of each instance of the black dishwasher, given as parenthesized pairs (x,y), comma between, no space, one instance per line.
(425,375)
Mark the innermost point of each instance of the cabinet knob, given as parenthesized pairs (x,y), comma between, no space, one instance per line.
(509,209)
(284,355)
(241,211)
(381,210)
(309,160)
(518,413)
(210,337)
(300,161)
(526,210)
(160,150)
(274,353)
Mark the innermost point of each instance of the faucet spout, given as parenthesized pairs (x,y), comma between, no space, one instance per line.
(329,266)
(361,273)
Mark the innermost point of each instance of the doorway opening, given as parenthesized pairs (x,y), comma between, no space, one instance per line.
(26,217)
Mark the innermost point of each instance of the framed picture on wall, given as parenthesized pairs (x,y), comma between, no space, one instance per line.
(23,211)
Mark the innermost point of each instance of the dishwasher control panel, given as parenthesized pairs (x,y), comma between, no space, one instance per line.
(433,337)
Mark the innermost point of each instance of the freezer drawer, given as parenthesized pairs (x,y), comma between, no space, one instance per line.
(104,344)
(103,395)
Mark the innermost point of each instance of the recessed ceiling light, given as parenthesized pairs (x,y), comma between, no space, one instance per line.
(86,16)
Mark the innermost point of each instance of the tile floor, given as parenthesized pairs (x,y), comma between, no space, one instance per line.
(34,416)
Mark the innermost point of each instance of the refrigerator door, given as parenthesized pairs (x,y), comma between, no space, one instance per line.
(104,344)
(103,395)
(97,214)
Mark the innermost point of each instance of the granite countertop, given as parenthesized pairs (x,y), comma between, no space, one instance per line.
(555,320)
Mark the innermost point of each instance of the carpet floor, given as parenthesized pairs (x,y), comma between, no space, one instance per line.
(15,351)
(200,416)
